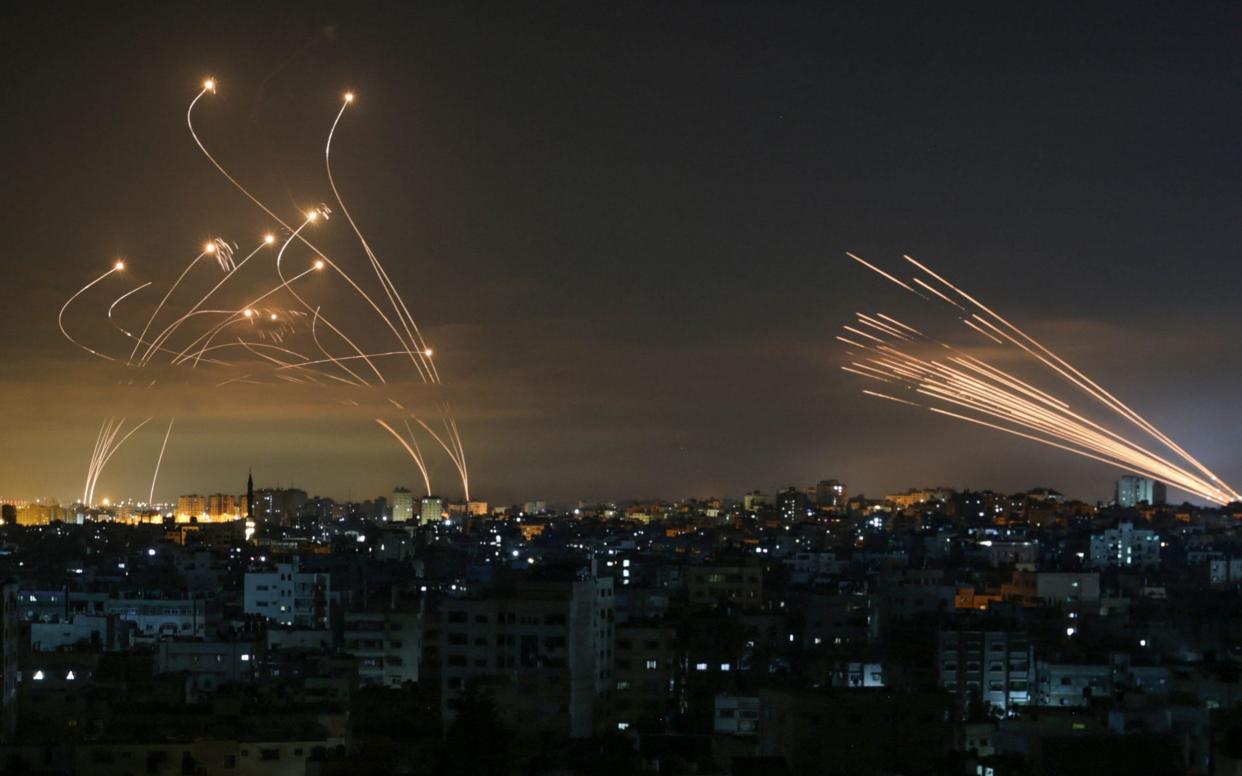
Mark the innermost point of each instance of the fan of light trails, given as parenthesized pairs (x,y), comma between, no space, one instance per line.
(276,336)
(925,372)
(108,441)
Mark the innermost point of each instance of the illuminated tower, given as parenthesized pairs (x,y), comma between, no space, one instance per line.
(250,496)
(402,505)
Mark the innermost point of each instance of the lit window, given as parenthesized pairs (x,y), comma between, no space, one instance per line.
(697,667)
(38,676)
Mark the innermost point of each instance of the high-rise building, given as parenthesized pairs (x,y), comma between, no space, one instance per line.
(223,506)
(1133,490)
(829,493)
(754,501)
(285,594)
(35,513)
(191,506)
(1125,546)
(544,644)
(432,510)
(792,504)
(280,506)
(402,505)
(995,667)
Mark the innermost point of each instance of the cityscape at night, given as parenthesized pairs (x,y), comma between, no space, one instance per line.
(587,389)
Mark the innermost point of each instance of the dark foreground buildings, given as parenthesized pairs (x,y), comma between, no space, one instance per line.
(807,632)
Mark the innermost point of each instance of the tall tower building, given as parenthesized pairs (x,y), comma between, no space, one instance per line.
(402,505)
(1132,491)
(432,509)
(829,493)
(250,496)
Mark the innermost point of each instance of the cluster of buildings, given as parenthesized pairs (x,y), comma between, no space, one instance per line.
(806,631)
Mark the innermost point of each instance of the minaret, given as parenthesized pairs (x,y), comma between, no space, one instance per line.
(250,495)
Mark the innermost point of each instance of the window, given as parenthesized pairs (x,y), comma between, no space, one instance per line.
(653,664)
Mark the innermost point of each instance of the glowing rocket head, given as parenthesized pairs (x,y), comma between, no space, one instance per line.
(210,85)
(269,238)
(119,265)
(349,96)
(209,247)
(318,264)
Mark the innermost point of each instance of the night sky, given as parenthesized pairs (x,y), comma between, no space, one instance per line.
(622,227)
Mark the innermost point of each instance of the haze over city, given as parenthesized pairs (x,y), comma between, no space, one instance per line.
(614,388)
(623,230)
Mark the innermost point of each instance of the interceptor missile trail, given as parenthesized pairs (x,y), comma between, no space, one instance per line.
(206,252)
(172,327)
(158,461)
(283,345)
(417,344)
(190,123)
(106,445)
(415,453)
(118,266)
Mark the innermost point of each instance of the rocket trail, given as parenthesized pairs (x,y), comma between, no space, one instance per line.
(982,394)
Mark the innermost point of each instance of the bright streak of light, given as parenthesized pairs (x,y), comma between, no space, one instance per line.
(114,433)
(982,394)
(158,461)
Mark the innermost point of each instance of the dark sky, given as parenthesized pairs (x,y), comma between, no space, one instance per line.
(622,227)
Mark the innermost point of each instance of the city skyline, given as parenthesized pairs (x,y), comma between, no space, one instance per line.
(611,331)
(621,389)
